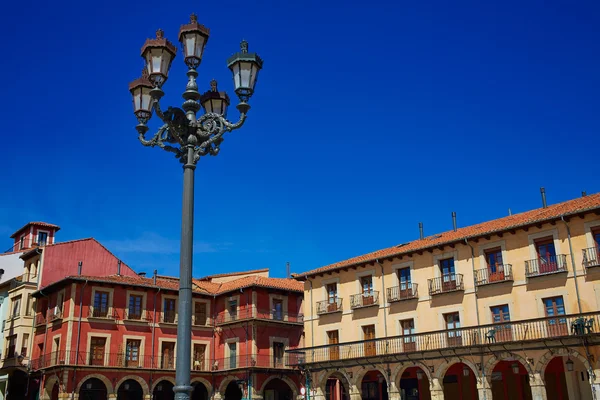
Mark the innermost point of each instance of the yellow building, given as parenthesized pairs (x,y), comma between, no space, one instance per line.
(506,309)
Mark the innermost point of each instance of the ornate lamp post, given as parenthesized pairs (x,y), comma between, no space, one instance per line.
(189,138)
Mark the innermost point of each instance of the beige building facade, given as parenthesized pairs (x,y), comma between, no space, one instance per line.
(506,309)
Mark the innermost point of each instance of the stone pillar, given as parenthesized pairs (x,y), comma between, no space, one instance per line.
(69,396)
(538,389)
(112,396)
(436,389)
(595,384)
(484,390)
(217,396)
(147,397)
(393,392)
(355,393)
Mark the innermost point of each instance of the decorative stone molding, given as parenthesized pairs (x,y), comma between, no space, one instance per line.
(506,356)
(105,380)
(138,379)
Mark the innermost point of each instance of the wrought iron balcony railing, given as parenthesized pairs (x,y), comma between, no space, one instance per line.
(550,265)
(137,315)
(445,283)
(40,319)
(496,274)
(327,306)
(54,314)
(246,313)
(251,361)
(524,333)
(365,299)
(590,257)
(102,313)
(169,317)
(406,291)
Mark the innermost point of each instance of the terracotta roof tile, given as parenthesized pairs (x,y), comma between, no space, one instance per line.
(552,212)
(253,271)
(43,224)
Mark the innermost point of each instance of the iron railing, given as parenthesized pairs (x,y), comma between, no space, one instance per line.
(327,306)
(40,319)
(365,299)
(137,315)
(522,332)
(102,312)
(246,313)
(486,276)
(54,314)
(590,257)
(169,317)
(551,265)
(134,360)
(201,320)
(406,291)
(445,283)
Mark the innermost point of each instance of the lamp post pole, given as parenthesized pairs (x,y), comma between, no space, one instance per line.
(189,138)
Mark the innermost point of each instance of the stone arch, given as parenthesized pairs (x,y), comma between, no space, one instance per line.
(399,370)
(162,378)
(363,371)
(284,378)
(441,371)
(549,355)
(105,380)
(505,356)
(203,381)
(48,386)
(138,379)
(327,373)
(223,386)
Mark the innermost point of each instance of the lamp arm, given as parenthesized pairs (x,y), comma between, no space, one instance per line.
(159,139)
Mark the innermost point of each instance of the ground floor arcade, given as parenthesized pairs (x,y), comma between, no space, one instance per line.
(557,374)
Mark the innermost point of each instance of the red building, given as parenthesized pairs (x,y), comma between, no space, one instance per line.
(115,336)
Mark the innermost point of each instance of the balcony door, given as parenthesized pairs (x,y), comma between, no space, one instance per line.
(100,304)
(546,255)
(333,339)
(199,313)
(331,297)
(366,283)
(199,356)
(169,311)
(167,353)
(132,353)
(448,274)
(408,330)
(493,257)
(555,306)
(278,350)
(97,350)
(278,309)
(501,316)
(369,334)
(405,283)
(232,355)
(454,336)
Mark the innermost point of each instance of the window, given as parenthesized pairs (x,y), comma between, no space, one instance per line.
(97,349)
(369,334)
(278,309)
(42,238)
(199,356)
(132,352)
(408,329)
(331,297)
(333,338)
(493,258)
(167,353)
(59,304)
(453,322)
(169,311)
(29,307)
(232,354)
(546,254)
(555,306)
(500,314)
(501,333)
(56,350)
(366,282)
(25,344)
(370,390)
(135,306)
(22,243)
(404,278)
(200,314)
(448,274)
(232,306)
(278,350)
(596,237)
(10,346)
(100,304)
(16,306)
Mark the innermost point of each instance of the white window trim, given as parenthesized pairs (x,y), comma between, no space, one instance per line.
(142,340)
(107,336)
(482,248)
(208,314)
(110,291)
(227,352)
(47,236)
(55,349)
(546,295)
(161,341)
(61,307)
(539,235)
(206,354)
(162,307)
(588,226)
(437,271)
(144,299)
(498,304)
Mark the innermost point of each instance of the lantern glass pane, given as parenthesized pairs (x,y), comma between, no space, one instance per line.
(236,75)
(137,98)
(155,58)
(146,99)
(190,43)
(245,74)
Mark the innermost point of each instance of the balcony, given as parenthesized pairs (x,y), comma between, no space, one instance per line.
(137,315)
(169,317)
(251,361)
(246,313)
(102,313)
(406,291)
(328,307)
(590,257)
(55,315)
(40,319)
(540,267)
(366,299)
(23,279)
(548,332)
(445,284)
(201,320)
(281,316)
(498,274)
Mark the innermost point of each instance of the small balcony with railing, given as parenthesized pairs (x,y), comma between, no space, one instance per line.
(546,266)
(495,274)
(590,257)
(251,361)
(446,283)
(406,291)
(136,315)
(27,278)
(169,317)
(40,319)
(54,314)
(365,299)
(329,306)
(102,312)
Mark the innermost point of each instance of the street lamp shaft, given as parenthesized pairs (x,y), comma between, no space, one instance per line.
(184,340)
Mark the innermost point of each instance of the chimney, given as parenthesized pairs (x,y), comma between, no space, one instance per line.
(79,265)
(454,220)
(583,194)
(543,192)
(421,231)
(154,277)
(287,269)
(509,211)
(142,274)
(119,268)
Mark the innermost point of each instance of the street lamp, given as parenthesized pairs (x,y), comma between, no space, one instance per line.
(189,138)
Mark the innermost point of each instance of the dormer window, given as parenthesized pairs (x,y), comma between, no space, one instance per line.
(42,238)
(22,243)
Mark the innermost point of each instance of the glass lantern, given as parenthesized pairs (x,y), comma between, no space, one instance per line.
(245,68)
(193,38)
(214,101)
(142,101)
(159,54)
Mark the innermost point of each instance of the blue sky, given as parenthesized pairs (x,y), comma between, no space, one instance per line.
(368,118)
